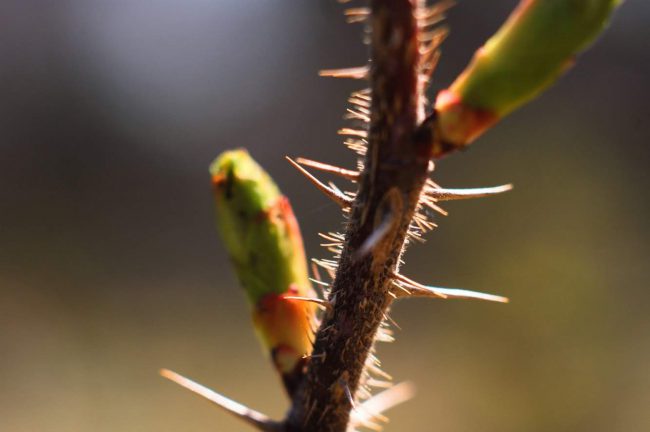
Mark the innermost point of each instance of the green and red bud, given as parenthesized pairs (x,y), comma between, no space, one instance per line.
(262,237)
(536,45)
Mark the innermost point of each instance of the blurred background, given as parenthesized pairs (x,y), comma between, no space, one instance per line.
(110,266)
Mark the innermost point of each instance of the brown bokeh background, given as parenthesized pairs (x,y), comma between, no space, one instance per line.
(110,267)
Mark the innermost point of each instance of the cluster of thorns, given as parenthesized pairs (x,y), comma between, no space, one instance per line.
(367,409)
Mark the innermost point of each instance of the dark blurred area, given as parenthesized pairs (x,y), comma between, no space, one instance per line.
(110,266)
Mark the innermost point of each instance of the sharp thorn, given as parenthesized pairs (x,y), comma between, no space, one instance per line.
(357,11)
(377,371)
(441,194)
(324,303)
(430,202)
(339,198)
(360,102)
(424,23)
(412,286)
(319,282)
(466,294)
(362,94)
(379,383)
(353,132)
(416,289)
(383,401)
(356,115)
(434,37)
(253,418)
(392,321)
(403,292)
(316,273)
(342,172)
(438,8)
(353,72)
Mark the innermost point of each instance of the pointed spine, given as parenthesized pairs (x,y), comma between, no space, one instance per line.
(342,200)
(253,418)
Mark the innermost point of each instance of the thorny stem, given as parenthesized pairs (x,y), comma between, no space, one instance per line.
(389,187)
(393,184)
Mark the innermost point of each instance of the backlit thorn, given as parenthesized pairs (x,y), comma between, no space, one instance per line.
(362,94)
(392,321)
(334,243)
(430,183)
(429,21)
(462,294)
(373,360)
(333,236)
(429,66)
(374,369)
(331,169)
(356,115)
(357,145)
(359,72)
(379,383)
(435,37)
(353,132)
(403,291)
(441,194)
(422,221)
(363,110)
(320,282)
(324,303)
(252,417)
(435,207)
(331,270)
(338,198)
(317,278)
(437,9)
(356,14)
(431,42)
(431,202)
(325,263)
(360,102)
(374,407)
(363,390)
(383,336)
(366,423)
(417,289)
(412,285)
(335,188)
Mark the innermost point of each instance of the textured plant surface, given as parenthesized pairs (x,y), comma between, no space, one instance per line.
(330,373)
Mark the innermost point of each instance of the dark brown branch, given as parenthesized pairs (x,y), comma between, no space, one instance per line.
(395,171)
